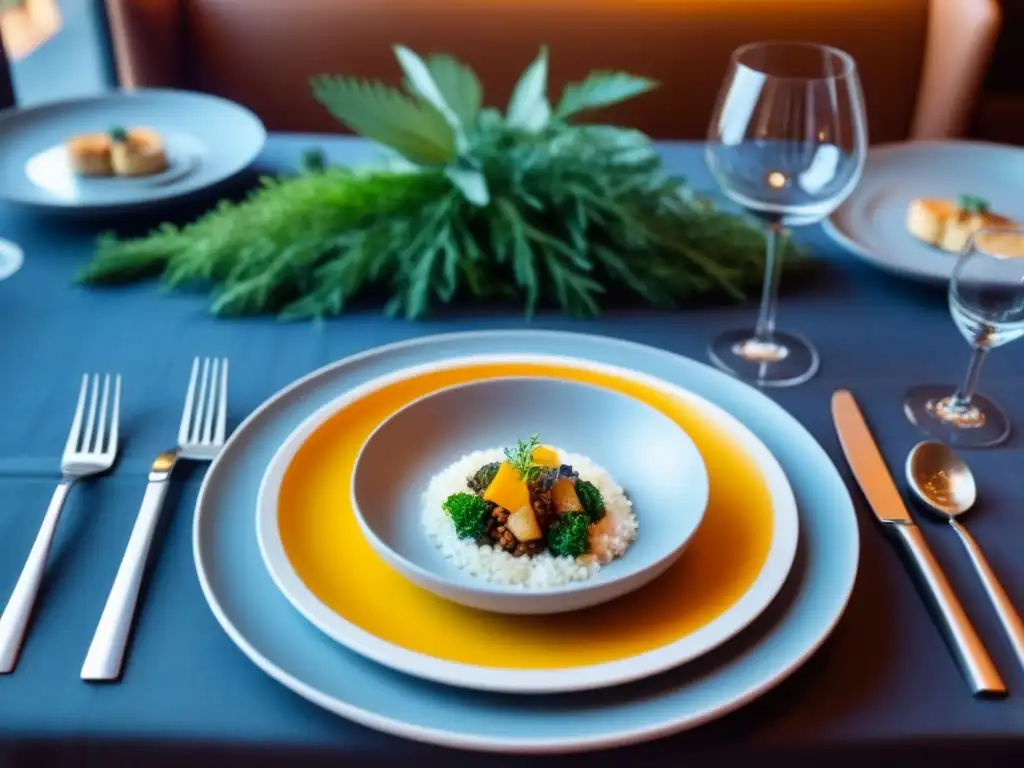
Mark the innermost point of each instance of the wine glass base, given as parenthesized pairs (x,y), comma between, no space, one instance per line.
(984,425)
(788,360)
(11,258)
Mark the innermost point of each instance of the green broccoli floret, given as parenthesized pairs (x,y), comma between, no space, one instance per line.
(591,500)
(468,514)
(118,134)
(483,477)
(570,535)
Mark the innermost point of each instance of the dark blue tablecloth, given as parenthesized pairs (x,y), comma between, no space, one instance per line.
(883,687)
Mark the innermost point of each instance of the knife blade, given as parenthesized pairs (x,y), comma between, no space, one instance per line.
(884,498)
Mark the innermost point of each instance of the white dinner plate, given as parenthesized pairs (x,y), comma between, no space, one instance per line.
(871,222)
(739,615)
(281,643)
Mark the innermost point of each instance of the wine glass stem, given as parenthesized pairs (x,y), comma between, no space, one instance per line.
(765,329)
(962,397)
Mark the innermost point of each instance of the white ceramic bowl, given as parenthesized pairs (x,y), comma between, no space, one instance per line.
(643,450)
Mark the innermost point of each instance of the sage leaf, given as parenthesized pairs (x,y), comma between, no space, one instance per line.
(459,85)
(422,83)
(528,109)
(626,145)
(416,130)
(601,89)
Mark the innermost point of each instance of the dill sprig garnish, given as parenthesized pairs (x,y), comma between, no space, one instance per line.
(521,459)
(524,204)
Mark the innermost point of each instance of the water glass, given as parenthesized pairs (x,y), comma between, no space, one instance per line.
(787,143)
(986,299)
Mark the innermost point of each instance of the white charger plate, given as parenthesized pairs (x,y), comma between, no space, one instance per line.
(871,222)
(739,615)
(266,628)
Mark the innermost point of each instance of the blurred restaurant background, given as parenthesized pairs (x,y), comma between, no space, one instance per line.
(931,68)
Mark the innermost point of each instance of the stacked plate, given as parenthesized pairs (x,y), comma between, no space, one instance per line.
(756,571)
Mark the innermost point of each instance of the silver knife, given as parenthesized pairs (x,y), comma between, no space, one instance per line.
(877,484)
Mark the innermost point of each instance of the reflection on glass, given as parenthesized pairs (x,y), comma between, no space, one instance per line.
(986,299)
(787,143)
(11,258)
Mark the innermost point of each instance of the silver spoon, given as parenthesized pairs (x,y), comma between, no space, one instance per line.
(943,481)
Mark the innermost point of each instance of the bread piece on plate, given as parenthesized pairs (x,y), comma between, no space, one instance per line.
(927,218)
(1008,244)
(137,152)
(947,224)
(89,154)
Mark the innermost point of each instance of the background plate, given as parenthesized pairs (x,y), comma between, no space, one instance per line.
(871,221)
(728,575)
(261,622)
(208,140)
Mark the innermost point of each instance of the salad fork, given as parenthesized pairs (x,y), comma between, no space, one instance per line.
(87,452)
(200,438)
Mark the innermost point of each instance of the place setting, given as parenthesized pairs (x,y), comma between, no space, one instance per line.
(589,541)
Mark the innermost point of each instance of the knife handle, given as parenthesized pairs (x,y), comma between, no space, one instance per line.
(975,662)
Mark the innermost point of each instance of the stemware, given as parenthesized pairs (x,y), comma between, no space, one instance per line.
(986,299)
(787,143)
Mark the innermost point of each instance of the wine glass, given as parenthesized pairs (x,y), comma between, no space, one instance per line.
(787,143)
(986,299)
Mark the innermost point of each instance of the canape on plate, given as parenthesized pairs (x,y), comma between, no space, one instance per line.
(118,152)
(89,154)
(137,152)
(947,224)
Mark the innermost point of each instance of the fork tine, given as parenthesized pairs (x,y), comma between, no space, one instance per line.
(115,416)
(76,425)
(197,422)
(222,405)
(186,414)
(90,419)
(211,403)
(101,424)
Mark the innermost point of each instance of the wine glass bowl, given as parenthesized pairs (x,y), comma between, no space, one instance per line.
(986,301)
(786,143)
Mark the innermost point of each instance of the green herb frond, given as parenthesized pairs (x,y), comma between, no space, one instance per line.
(521,458)
(525,206)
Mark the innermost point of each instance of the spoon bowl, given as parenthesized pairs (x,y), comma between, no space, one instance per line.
(940,479)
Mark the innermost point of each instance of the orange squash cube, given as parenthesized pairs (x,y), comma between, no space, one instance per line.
(543,456)
(507,489)
(564,496)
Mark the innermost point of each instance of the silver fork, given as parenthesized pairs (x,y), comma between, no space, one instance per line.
(200,437)
(87,452)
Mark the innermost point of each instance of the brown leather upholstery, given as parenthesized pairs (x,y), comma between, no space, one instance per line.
(262,52)
(999,115)
(962,36)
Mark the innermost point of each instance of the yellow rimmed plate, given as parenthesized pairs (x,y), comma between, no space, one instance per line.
(730,573)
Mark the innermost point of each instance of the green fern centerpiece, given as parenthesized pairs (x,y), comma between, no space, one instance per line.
(524,205)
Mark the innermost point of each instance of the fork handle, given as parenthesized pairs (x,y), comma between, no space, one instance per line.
(106,652)
(16,615)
